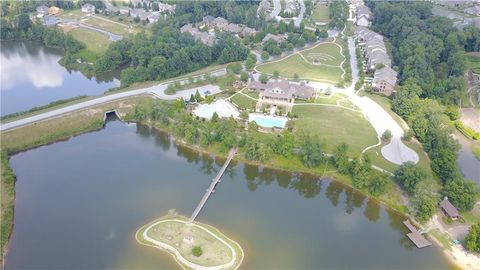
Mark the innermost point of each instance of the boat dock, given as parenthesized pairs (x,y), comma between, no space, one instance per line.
(415,236)
(213,184)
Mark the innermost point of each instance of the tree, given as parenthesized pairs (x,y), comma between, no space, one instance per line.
(214,118)
(198,97)
(295,76)
(409,175)
(235,68)
(387,135)
(472,240)
(244,76)
(23,22)
(139,114)
(340,158)
(378,185)
(360,171)
(265,56)
(284,144)
(424,201)
(263,78)
(310,151)
(461,193)
(192,98)
(276,74)
(251,61)
(197,251)
(244,115)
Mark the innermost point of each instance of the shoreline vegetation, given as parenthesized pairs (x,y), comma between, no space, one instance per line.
(91,119)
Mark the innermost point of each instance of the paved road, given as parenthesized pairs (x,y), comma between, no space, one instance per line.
(157,91)
(277,7)
(299,19)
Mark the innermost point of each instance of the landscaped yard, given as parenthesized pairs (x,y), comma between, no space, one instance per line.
(336,125)
(326,53)
(321,14)
(72,14)
(295,64)
(94,41)
(243,101)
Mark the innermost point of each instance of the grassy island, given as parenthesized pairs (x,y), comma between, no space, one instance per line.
(193,245)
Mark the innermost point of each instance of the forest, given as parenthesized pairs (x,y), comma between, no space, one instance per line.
(429,54)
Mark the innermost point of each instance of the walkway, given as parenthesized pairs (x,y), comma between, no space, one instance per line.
(213,184)
(157,91)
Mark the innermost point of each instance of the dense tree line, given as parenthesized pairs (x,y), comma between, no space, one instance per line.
(167,53)
(338,13)
(430,56)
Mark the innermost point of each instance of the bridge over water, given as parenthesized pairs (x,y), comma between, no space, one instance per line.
(211,188)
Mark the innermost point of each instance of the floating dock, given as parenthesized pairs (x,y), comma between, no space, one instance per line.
(415,236)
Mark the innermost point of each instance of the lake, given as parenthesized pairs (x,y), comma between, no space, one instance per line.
(80,202)
(468,163)
(31,76)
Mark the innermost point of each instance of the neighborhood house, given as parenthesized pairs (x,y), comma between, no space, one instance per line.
(281,91)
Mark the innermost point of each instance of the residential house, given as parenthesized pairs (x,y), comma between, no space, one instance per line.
(125,11)
(219,22)
(88,8)
(247,31)
(203,37)
(166,8)
(377,58)
(281,91)
(448,209)
(363,10)
(111,9)
(53,10)
(362,21)
(49,20)
(208,21)
(276,38)
(291,6)
(475,10)
(452,3)
(138,13)
(232,28)
(384,80)
(42,11)
(153,17)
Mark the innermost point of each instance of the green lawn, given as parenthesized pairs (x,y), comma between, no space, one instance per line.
(321,14)
(336,125)
(94,41)
(386,104)
(72,15)
(473,62)
(295,64)
(326,53)
(110,26)
(243,101)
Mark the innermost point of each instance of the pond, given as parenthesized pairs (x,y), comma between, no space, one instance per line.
(80,202)
(468,163)
(31,76)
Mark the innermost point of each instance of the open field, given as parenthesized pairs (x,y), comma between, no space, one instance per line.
(243,101)
(111,26)
(326,53)
(336,125)
(72,14)
(94,41)
(321,14)
(473,62)
(295,64)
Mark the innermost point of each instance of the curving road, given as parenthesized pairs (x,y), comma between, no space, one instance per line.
(157,91)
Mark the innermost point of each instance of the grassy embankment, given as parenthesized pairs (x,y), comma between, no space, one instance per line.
(473,62)
(48,131)
(304,66)
(214,252)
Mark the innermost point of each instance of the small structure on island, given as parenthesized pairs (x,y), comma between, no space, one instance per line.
(448,209)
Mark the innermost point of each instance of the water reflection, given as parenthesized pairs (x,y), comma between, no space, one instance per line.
(31,76)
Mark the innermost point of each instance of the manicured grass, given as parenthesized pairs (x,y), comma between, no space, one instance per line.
(94,41)
(243,101)
(111,26)
(336,125)
(72,15)
(253,94)
(326,53)
(441,237)
(295,64)
(473,62)
(321,13)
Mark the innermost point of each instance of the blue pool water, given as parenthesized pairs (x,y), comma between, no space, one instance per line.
(269,122)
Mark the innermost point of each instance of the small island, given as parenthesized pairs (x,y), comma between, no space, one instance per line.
(193,245)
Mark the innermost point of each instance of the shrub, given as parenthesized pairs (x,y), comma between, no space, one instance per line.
(197,251)
(387,135)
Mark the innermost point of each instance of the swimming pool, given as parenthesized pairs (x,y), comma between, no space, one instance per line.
(268,121)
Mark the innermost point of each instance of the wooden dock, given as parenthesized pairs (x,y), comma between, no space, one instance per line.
(415,236)
(211,188)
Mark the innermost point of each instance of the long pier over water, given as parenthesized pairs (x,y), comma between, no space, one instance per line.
(211,188)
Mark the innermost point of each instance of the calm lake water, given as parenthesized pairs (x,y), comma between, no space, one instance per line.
(31,76)
(79,203)
(469,164)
